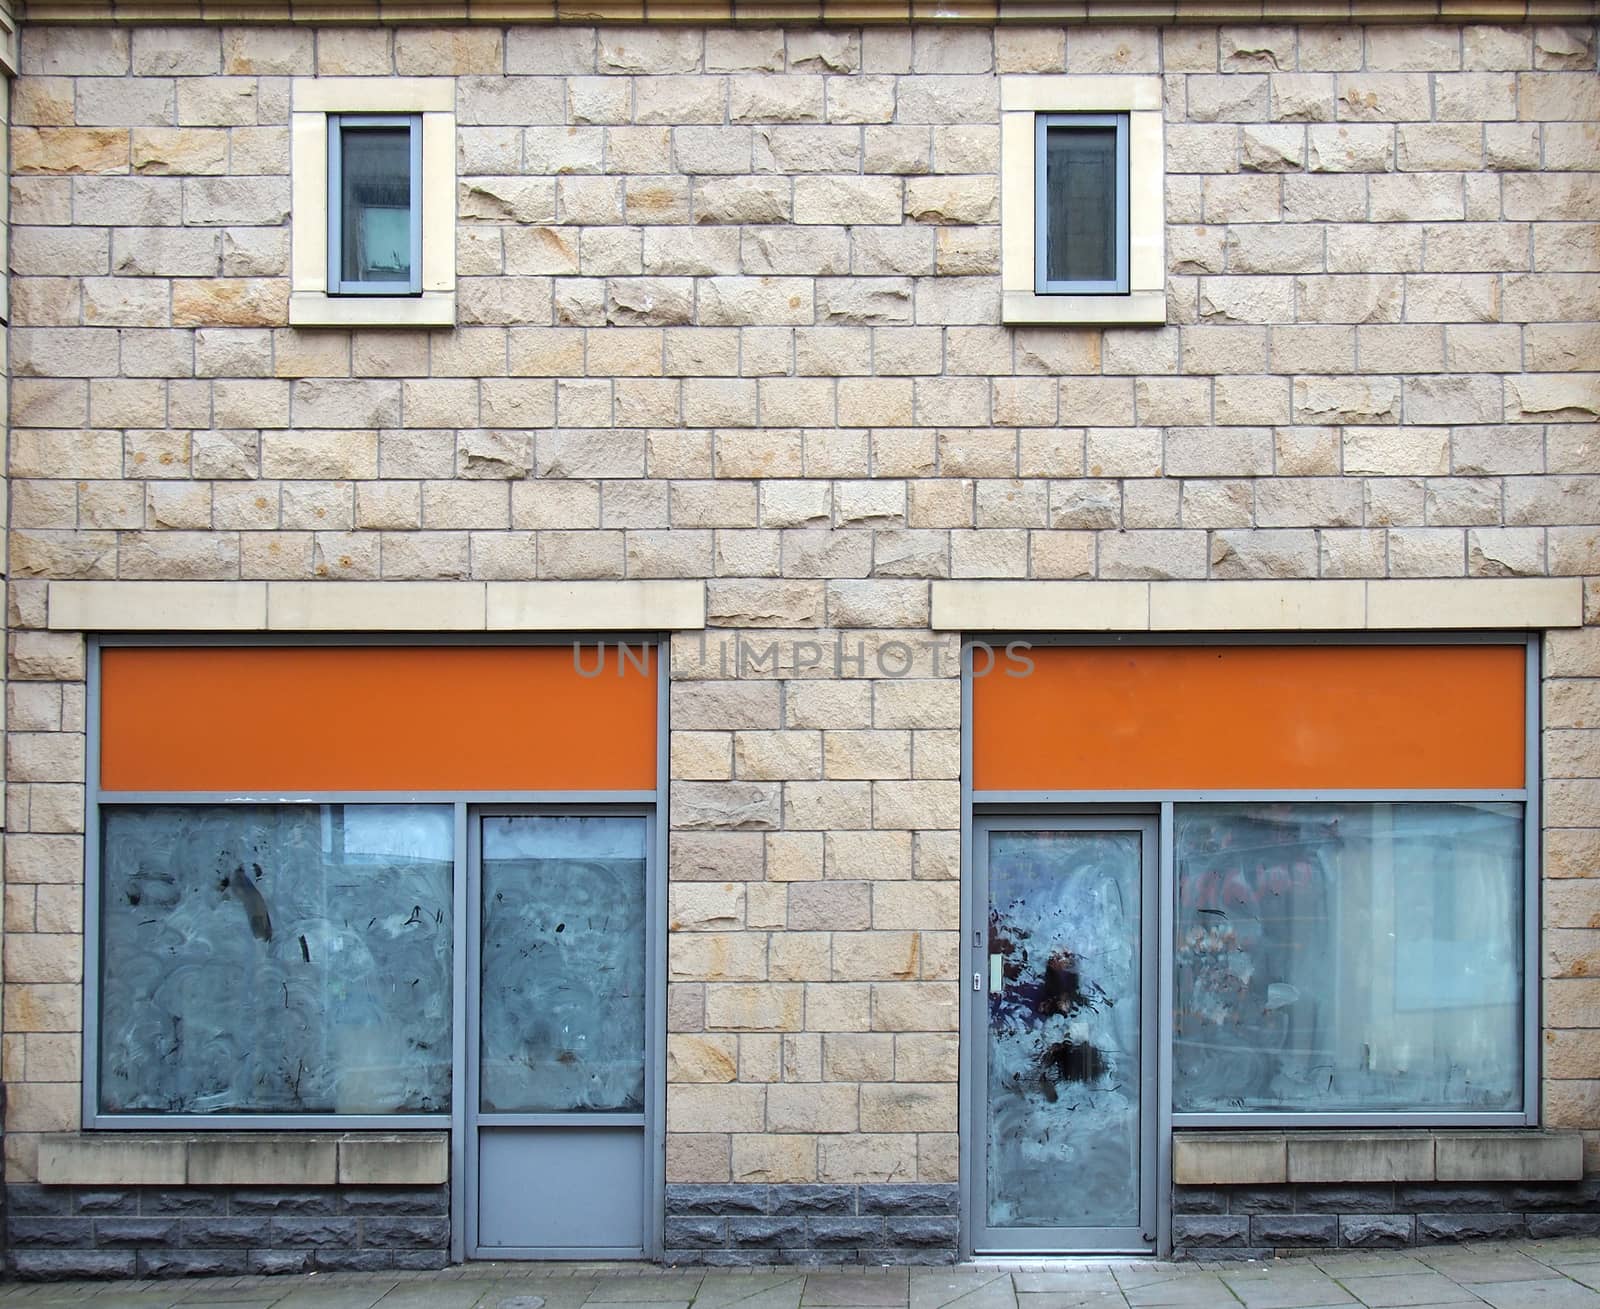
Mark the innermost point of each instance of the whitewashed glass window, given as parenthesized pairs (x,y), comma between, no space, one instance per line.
(275,959)
(1349,958)
(563,964)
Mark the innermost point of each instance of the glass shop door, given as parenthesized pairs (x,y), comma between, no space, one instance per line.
(558,1035)
(1064,1017)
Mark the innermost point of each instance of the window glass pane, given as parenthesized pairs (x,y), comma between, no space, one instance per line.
(375,178)
(1081,204)
(563,964)
(276,959)
(1348,957)
(1063,1029)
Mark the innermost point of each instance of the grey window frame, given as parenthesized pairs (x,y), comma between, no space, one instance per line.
(651,1116)
(465,803)
(977,804)
(337,283)
(1042,123)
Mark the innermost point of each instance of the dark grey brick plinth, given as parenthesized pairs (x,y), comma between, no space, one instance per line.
(887,1223)
(1224,1222)
(67,1231)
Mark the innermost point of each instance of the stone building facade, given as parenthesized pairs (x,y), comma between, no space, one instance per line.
(728,367)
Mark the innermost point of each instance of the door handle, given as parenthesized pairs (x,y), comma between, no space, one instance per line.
(997,974)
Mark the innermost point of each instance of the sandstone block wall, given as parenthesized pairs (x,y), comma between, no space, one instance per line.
(729,310)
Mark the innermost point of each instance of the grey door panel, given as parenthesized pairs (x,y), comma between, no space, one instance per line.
(555,1190)
(558,1132)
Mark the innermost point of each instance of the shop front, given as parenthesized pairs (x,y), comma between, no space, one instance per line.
(391,887)
(1279,896)
(1233,948)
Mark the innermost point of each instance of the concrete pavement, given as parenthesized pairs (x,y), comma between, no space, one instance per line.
(1556,1274)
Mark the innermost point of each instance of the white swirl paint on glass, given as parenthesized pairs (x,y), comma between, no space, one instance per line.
(1348,958)
(275,959)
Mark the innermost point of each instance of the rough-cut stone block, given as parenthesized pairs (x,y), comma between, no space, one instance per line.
(1546,1226)
(1279,1230)
(815,1200)
(1206,1231)
(775,1232)
(829,1232)
(203,1233)
(55,1265)
(1376,1231)
(907,1198)
(50,1232)
(694,1233)
(406,1232)
(135,1232)
(1438,1228)
(313,1232)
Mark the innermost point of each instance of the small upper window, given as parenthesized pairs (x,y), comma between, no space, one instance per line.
(375,204)
(1082,200)
(1081,229)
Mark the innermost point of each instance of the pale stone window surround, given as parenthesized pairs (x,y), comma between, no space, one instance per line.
(1024,97)
(314,98)
(8,38)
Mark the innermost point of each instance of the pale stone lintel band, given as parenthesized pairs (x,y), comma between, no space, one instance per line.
(851,13)
(642,606)
(1475,604)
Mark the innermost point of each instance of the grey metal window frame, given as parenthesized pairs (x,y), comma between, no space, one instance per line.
(465,805)
(1042,285)
(338,284)
(976,804)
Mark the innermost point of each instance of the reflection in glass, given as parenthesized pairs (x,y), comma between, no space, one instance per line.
(276,959)
(563,964)
(1063,1147)
(1081,204)
(375,181)
(1348,958)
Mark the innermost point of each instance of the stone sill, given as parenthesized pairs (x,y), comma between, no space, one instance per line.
(316,309)
(1203,1158)
(245,1159)
(1135,309)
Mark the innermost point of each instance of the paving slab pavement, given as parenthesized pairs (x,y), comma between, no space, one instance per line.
(1555,1274)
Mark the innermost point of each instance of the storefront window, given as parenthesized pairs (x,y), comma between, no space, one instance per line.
(1348,958)
(275,959)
